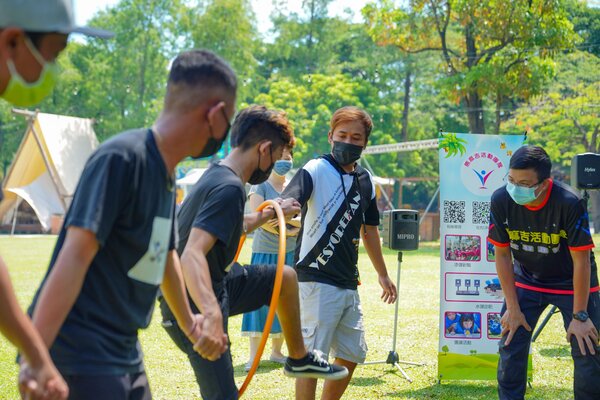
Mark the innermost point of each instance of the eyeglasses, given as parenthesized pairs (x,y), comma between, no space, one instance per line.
(510,180)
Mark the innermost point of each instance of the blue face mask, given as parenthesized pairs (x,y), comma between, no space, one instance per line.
(520,194)
(282,167)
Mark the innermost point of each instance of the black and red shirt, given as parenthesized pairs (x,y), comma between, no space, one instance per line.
(542,237)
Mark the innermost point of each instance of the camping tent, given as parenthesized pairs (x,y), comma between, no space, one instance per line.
(186,183)
(47,165)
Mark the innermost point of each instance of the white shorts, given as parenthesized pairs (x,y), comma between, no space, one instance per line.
(332,320)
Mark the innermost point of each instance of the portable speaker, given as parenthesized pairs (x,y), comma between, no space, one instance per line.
(401,229)
(585,171)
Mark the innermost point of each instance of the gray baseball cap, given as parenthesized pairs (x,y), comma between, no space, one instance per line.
(44,16)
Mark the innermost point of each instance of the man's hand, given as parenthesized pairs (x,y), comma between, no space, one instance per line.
(290,207)
(194,331)
(390,293)
(511,321)
(212,341)
(41,383)
(584,332)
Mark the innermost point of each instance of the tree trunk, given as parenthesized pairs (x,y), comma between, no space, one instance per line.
(311,62)
(472,99)
(498,114)
(408,81)
(475,112)
(406,109)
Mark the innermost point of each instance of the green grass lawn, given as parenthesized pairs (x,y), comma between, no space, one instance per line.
(171,376)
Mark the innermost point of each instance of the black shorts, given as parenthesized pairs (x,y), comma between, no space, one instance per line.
(244,289)
(102,387)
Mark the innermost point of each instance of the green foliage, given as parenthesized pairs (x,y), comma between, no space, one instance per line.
(452,144)
(120,82)
(227,27)
(12,130)
(586,22)
(489,49)
(310,106)
(413,78)
(565,118)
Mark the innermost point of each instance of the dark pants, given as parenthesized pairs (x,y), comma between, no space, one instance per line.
(512,367)
(243,290)
(103,387)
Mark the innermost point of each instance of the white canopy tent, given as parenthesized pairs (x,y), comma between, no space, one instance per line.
(47,165)
(189,180)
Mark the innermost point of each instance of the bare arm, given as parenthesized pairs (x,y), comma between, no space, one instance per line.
(64,282)
(196,273)
(581,279)
(252,221)
(513,317)
(15,325)
(585,332)
(256,219)
(504,269)
(39,374)
(373,246)
(173,290)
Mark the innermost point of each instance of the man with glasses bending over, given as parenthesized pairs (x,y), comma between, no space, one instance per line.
(540,230)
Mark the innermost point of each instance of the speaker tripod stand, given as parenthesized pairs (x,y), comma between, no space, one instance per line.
(393,358)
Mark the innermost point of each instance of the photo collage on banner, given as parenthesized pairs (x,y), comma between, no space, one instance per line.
(472,167)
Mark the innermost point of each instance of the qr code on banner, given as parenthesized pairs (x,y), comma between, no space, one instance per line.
(481,212)
(454,212)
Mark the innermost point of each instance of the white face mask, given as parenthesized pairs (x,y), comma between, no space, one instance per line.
(24,94)
(520,194)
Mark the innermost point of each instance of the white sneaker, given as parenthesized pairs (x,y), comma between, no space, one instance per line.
(279,360)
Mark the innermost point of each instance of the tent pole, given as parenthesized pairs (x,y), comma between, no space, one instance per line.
(14,222)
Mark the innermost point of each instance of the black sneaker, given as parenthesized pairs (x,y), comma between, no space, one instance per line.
(313,366)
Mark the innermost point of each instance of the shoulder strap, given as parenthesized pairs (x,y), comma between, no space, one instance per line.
(365,186)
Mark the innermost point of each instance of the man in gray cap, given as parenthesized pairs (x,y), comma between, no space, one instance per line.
(32,34)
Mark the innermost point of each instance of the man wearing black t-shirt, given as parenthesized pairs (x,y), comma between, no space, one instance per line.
(540,230)
(117,243)
(338,208)
(211,222)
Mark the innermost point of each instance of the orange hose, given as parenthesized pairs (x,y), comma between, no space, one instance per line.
(276,289)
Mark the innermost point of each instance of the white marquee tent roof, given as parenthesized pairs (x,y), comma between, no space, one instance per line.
(48,164)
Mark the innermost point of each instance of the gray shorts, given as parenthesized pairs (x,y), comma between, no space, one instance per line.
(332,320)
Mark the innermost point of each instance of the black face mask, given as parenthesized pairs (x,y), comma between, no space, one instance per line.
(346,153)
(213,145)
(259,176)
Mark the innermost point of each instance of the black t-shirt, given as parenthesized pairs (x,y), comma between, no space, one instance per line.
(125,197)
(333,211)
(540,238)
(215,205)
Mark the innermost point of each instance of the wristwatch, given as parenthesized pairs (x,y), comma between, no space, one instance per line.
(581,316)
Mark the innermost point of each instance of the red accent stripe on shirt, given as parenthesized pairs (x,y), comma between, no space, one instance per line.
(492,241)
(582,248)
(552,291)
(536,208)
